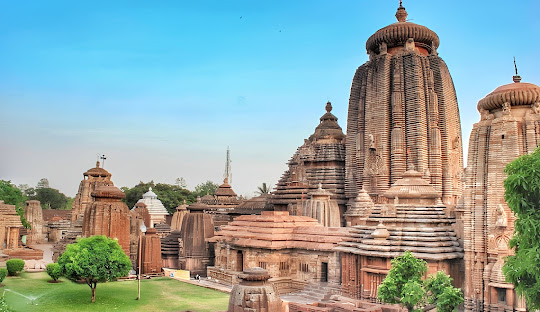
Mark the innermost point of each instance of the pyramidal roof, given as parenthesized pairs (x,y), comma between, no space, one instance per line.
(153,204)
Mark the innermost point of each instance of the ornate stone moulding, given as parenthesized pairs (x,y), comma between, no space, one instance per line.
(108,192)
(516,94)
(398,33)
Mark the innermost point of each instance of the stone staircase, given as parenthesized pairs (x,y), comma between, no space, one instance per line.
(313,292)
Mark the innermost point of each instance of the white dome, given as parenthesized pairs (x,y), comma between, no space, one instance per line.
(153,204)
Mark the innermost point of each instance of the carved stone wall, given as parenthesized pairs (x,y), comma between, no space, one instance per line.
(150,252)
(509,126)
(33,215)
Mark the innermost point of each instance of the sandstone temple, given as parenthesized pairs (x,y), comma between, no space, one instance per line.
(347,204)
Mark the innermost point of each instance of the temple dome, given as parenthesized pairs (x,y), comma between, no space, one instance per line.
(97,172)
(412,186)
(398,33)
(516,93)
(225,189)
(328,127)
(108,191)
(153,204)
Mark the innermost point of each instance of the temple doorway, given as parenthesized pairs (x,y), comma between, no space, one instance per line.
(239,261)
(324,272)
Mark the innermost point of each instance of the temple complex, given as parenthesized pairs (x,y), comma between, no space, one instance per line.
(155,208)
(509,126)
(295,250)
(403,115)
(93,178)
(34,216)
(108,215)
(320,160)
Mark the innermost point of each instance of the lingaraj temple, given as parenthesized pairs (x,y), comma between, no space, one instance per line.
(349,202)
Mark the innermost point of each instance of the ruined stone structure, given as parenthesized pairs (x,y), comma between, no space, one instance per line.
(194,253)
(296,250)
(108,215)
(509,126)
(254,293)
(403,114)
(415,221)
(34,216)
(150,253)
(320,160)
(93,178)
(10,225)
(155,208)
(56,224)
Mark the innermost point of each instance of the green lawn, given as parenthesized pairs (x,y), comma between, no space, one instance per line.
(157,294)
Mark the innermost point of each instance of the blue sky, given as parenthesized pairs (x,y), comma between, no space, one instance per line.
(163,87)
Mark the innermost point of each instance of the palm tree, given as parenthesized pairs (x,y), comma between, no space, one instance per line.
(263,189)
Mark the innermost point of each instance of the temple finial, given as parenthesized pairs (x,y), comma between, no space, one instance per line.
(516,78)
(328,107)
(401,13)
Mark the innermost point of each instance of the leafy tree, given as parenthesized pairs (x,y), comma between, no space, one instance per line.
(403,285)
(43,183)
(3,274)
(11,195)
(205,188)
(50,198)
(14,266)
(523,196)
(263,189)
(54,270)
(170,195)
(181,182)
(94,259)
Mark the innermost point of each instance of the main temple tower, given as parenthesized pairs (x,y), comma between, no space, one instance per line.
(403,115)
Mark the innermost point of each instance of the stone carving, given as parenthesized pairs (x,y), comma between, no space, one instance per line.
(254,293)
(500,214)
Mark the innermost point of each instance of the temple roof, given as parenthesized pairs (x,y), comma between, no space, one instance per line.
(108,191)
(278,230)
(398,33)
(153,204)
(328,127)
(412,185)
(97,172)
(225,189)
(516,93)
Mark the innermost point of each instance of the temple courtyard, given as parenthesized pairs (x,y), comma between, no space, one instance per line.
(33,292)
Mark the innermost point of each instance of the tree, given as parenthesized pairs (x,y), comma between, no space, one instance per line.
(403,285)
(181,182)
(95,259)
(206,188)
(263,189)
(54,270)
(170,195)
(11,195)
(43,183)
(50,198)
(522,193)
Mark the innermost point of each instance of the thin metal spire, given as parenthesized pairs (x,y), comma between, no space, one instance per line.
(515,66)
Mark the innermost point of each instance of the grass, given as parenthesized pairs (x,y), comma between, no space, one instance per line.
(32,292)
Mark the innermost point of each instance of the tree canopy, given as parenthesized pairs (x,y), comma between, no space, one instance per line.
(522,193)
(50,198)
(170,195)
(206,188)
(404,285)
(11,195)
(95,259)
(263,189)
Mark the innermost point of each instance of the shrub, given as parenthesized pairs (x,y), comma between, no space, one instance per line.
(3,305)
(54,270)
(14,266)
(3,274)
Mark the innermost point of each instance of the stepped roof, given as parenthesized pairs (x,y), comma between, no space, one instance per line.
(153,204)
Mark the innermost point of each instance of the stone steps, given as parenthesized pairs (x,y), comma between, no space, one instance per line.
(313,292)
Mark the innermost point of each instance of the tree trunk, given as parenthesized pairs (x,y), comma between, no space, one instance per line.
(94,293)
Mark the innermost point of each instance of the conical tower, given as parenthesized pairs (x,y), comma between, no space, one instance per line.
(403,115)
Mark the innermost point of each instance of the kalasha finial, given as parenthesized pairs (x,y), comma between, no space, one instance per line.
(401,14)
(328,107)
(516,78)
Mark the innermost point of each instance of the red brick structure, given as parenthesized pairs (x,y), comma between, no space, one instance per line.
(150,253)
(108,215)
(403,114)
(320,160)
(508,127)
